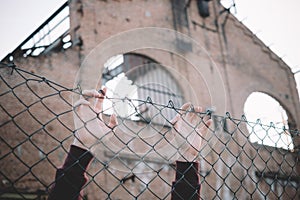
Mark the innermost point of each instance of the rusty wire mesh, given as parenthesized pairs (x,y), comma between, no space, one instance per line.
(37,129)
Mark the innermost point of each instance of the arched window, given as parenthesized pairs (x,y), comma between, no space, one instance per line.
(272,127)
(140,79)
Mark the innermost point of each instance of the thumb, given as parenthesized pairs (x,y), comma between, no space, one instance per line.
(205,127)
(113,121)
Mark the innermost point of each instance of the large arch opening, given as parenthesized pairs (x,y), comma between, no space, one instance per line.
(139,79)
(268,122)
(139,90)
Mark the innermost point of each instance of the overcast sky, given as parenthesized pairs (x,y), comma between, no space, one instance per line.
(275,22)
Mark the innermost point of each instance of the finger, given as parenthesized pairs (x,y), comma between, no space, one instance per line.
(182,110)
(195,117)
(103,91)
(192,116)
(99,100)
(81,102)
(206,118)
(90,93)
(113,121)
(185,107)
(204,128)
(198,109)
(208,123)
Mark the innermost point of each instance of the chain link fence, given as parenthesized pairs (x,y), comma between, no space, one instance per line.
(37,130)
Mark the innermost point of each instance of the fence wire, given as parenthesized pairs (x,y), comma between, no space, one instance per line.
(137,161)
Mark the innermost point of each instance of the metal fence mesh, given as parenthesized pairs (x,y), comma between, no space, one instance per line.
(138,161)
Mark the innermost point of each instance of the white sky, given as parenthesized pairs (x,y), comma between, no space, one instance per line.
(275,22)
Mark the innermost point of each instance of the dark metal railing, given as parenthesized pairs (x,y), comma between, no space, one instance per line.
(53,34)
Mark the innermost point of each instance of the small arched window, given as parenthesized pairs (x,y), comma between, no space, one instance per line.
(270,121)
(140,81)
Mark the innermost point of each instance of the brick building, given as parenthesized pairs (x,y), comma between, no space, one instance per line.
(197,50)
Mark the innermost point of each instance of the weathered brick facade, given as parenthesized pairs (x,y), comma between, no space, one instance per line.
(245,65)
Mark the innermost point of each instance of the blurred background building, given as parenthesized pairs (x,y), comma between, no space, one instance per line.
(245,163)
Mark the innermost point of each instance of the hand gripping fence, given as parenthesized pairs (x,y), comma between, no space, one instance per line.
(137,160)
